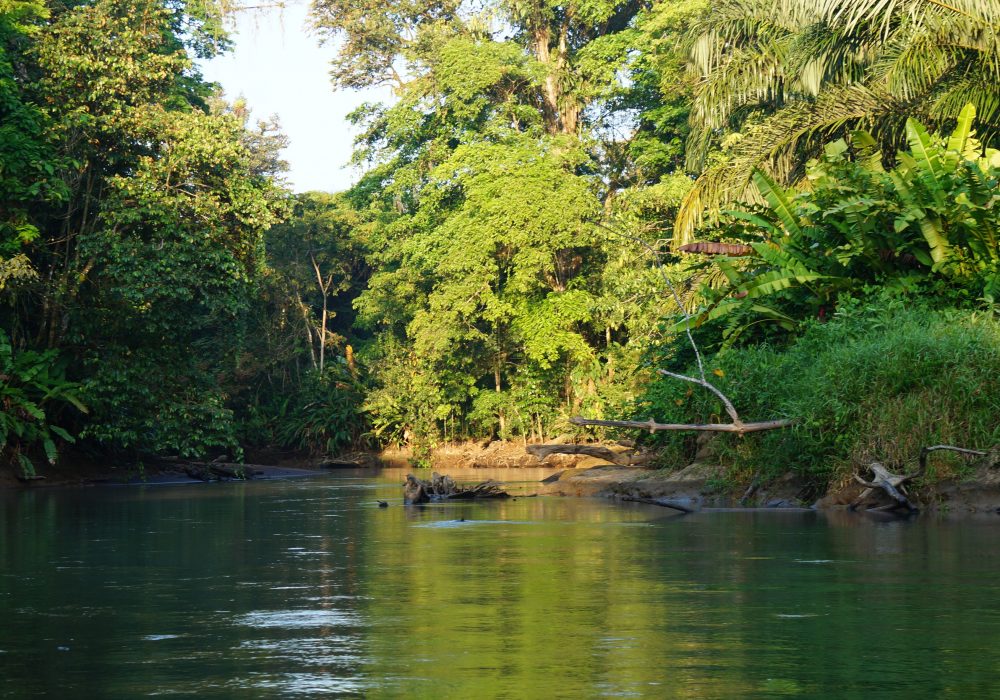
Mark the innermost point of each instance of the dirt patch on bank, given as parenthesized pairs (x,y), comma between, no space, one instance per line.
(475,455)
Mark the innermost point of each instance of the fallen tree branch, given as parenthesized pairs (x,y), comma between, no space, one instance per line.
(894,484)
(730,409)
(751,490)
(660,502)
(950,448)
(652,426)
(737,426)
(219,471)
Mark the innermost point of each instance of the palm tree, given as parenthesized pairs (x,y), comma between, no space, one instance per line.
(790,75)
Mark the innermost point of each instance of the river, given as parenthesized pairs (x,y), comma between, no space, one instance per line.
(306,588)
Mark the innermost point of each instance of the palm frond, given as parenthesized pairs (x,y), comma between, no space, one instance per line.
(775,146)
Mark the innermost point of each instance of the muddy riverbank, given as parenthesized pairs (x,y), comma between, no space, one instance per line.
(700,484)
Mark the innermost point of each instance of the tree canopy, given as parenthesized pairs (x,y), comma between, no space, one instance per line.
(501,263)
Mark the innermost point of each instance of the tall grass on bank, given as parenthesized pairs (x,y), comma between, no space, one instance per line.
(877,382)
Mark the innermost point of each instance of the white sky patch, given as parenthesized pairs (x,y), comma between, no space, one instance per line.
(278,65)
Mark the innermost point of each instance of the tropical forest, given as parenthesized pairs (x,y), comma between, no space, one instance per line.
(798,199)
(729,268)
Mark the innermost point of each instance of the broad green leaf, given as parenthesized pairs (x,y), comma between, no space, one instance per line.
(754,219)
(926,155)
(26,466)
(963,130)
(936,239)
(50,449)
(778,200)
(62,433)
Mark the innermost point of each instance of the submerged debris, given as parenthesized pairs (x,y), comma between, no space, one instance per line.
(441,488)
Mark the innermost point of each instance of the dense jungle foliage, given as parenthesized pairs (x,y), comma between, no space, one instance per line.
(557,194)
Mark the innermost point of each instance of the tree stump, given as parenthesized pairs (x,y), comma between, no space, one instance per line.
(443,487)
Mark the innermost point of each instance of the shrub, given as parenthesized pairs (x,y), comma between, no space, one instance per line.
(878,381)
(32,384)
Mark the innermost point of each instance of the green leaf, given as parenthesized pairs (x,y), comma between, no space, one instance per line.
(754,219)
(26,466)
(936,239)
(963,130)
(926,155)
(50,449)
(778,201)
(62,433)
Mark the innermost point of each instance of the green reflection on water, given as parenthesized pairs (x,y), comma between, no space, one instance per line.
(306,588)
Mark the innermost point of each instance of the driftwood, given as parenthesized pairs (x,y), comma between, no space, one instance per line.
(894,485)
(217,469)
(660,502)
(443,487)
(543,451)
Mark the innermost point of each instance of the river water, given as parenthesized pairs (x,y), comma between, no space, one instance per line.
(306,588)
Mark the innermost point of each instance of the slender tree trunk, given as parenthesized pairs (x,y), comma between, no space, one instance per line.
(322,336)
(324,288)
(500,416)
(304,310)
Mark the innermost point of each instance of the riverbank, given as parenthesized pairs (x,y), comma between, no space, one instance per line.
(707,483)
(703,483)
(76,470)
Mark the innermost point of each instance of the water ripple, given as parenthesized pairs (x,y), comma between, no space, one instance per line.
(298,619)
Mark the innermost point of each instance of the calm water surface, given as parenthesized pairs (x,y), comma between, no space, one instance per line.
(306,588)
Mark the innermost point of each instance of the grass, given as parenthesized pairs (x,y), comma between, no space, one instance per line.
(876,383)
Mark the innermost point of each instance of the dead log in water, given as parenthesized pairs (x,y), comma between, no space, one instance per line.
(219,471)
(443,487)
(676,505)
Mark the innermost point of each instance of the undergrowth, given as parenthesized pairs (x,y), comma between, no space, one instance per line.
(876,382)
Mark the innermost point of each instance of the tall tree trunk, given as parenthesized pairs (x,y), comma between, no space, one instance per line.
(541,37)
(569,109)
(500,416)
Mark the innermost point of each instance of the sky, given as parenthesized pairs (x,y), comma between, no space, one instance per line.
(279,67)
